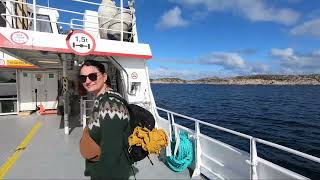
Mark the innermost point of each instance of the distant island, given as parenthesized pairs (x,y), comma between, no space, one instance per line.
(312,79)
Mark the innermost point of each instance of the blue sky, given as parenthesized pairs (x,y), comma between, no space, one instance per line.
(192,39)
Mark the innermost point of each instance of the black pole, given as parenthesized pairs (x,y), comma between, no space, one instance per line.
(36,91)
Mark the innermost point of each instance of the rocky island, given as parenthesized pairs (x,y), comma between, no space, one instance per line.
(312,79)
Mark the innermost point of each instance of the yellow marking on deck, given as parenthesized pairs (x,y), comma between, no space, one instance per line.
(15,156)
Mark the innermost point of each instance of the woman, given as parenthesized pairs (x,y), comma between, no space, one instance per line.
(107,125)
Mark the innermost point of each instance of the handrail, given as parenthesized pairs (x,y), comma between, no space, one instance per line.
(253,150)
(289,150)
(208,124)
(6,99)
(72,24)
(292,151)
(33,4)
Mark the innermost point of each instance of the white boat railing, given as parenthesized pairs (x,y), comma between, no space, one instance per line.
(85,109)
(32,17)
(253,140)
(197,133)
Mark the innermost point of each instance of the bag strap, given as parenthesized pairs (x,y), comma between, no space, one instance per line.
(119,97)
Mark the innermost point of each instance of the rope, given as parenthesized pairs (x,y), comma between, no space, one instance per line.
(150,141)
(65,85)
(184,156)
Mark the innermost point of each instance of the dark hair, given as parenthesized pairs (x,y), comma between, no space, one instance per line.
(94,63)
(108,82)
(99,66)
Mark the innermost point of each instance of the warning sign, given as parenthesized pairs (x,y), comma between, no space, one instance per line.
(15,63)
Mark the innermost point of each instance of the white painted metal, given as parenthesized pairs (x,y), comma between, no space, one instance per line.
(27,97)
(47,89)
(90,23)
(121,22)
(119,15)
(198,152)
(289,150)
(51,90)
(9,10)
(58,41)
(253,159)
(217,160)
(222,161)
(34,15)
(169,131)
(66,101)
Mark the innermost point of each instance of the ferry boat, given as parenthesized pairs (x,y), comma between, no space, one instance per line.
(32,33)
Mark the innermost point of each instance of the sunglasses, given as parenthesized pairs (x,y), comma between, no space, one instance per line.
(91,76)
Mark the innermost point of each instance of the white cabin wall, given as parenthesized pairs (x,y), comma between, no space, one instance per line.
(138,67)
(47,89)
(91,23)
(53,15)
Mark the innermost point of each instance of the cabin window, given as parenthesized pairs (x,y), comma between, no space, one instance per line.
(8,91)
(2,10)
(42,26)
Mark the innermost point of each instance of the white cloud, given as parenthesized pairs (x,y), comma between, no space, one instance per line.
(217,64)
(316,53)
(283,53)
(259,68)
(298,63)
(172,18)
(309,28)
(225,59)
(254,10)
(182,74)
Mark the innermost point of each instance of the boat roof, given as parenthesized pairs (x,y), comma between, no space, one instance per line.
(37,47)
(39,40)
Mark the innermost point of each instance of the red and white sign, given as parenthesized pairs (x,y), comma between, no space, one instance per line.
(134,75)
(19,37)
(81,42)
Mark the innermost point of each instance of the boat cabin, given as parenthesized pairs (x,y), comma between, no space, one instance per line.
(49,44)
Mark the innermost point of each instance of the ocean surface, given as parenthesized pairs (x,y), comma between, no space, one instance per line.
(286,115)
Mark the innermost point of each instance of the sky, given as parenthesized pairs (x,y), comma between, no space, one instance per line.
(192,39)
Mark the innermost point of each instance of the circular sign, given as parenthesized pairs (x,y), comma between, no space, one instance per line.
(81,42)
(134,75)
(19,37)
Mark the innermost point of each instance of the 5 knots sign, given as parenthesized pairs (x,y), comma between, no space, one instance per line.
(80,42)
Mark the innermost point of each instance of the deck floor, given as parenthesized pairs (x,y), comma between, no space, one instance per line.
(53,155)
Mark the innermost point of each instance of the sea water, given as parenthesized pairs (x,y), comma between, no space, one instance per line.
(286,115)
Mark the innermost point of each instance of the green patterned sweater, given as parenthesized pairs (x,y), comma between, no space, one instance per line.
(107,126)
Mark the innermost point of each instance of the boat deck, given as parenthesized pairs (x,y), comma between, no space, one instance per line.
(50,154)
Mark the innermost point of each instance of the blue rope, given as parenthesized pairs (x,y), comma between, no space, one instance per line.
(184,156)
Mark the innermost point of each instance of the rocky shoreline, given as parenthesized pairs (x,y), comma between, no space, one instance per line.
(312,79)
